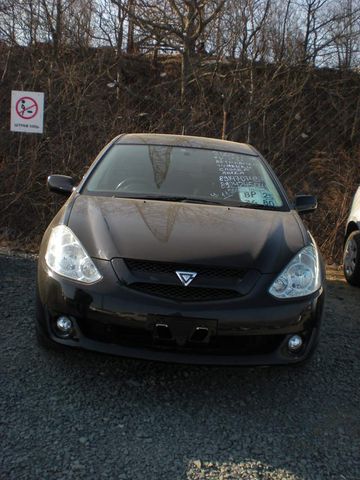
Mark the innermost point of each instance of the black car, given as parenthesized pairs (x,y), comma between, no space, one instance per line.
(180,249)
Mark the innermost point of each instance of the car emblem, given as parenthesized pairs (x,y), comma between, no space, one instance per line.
(186,277)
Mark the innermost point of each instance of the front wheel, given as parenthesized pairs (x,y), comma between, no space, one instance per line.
(352,259)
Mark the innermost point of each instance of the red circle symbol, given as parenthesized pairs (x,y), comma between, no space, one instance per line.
(26,108)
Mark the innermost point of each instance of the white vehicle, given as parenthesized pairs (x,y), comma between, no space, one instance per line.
(352,243)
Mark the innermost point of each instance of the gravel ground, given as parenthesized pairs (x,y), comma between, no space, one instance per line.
(82,415)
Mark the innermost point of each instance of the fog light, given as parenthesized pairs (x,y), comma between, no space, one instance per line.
(295,343)
(64,325)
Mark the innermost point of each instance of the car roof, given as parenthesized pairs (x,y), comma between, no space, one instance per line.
(185,141)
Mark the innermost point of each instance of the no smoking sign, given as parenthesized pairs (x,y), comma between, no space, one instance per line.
(27,112)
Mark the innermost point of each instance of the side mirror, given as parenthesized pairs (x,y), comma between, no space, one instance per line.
(305,203)
(60,184)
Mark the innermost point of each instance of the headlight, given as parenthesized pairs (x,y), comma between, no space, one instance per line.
(66,256)
(301,276)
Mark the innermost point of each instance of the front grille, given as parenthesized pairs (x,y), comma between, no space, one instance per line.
(184,294)
(146,266)
(159,279)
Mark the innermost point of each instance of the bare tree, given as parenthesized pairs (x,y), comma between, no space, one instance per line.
(325,24)
(79,23)
(346,32)
(130,37)
(54,16)
(178,25)
(8,21)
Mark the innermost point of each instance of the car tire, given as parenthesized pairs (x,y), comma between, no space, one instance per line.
(351,260)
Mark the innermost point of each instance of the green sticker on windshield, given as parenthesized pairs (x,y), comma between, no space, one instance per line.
(256,195)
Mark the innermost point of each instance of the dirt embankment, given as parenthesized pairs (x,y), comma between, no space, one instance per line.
(305,121)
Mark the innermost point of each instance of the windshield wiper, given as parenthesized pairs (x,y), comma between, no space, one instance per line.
(183,199)
(198,200)
(168,198)
(225,203)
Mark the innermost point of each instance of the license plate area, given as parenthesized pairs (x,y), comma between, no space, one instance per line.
(183,331)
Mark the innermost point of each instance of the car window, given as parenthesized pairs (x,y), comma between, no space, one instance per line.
(184,172)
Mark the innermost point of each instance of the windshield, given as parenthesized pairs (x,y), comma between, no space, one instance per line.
(184,174)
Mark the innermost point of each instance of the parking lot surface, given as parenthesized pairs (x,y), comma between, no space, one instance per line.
(80,415)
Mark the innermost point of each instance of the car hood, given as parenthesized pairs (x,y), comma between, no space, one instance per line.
(186,233)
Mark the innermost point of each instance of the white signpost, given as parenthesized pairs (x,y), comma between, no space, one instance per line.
(27,112)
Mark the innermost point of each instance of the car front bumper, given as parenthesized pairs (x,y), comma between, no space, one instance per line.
(108,317)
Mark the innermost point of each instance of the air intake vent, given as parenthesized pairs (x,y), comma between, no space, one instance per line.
(184,294)
(145,266)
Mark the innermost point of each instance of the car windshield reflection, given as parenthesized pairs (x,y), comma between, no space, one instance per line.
(185,174)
